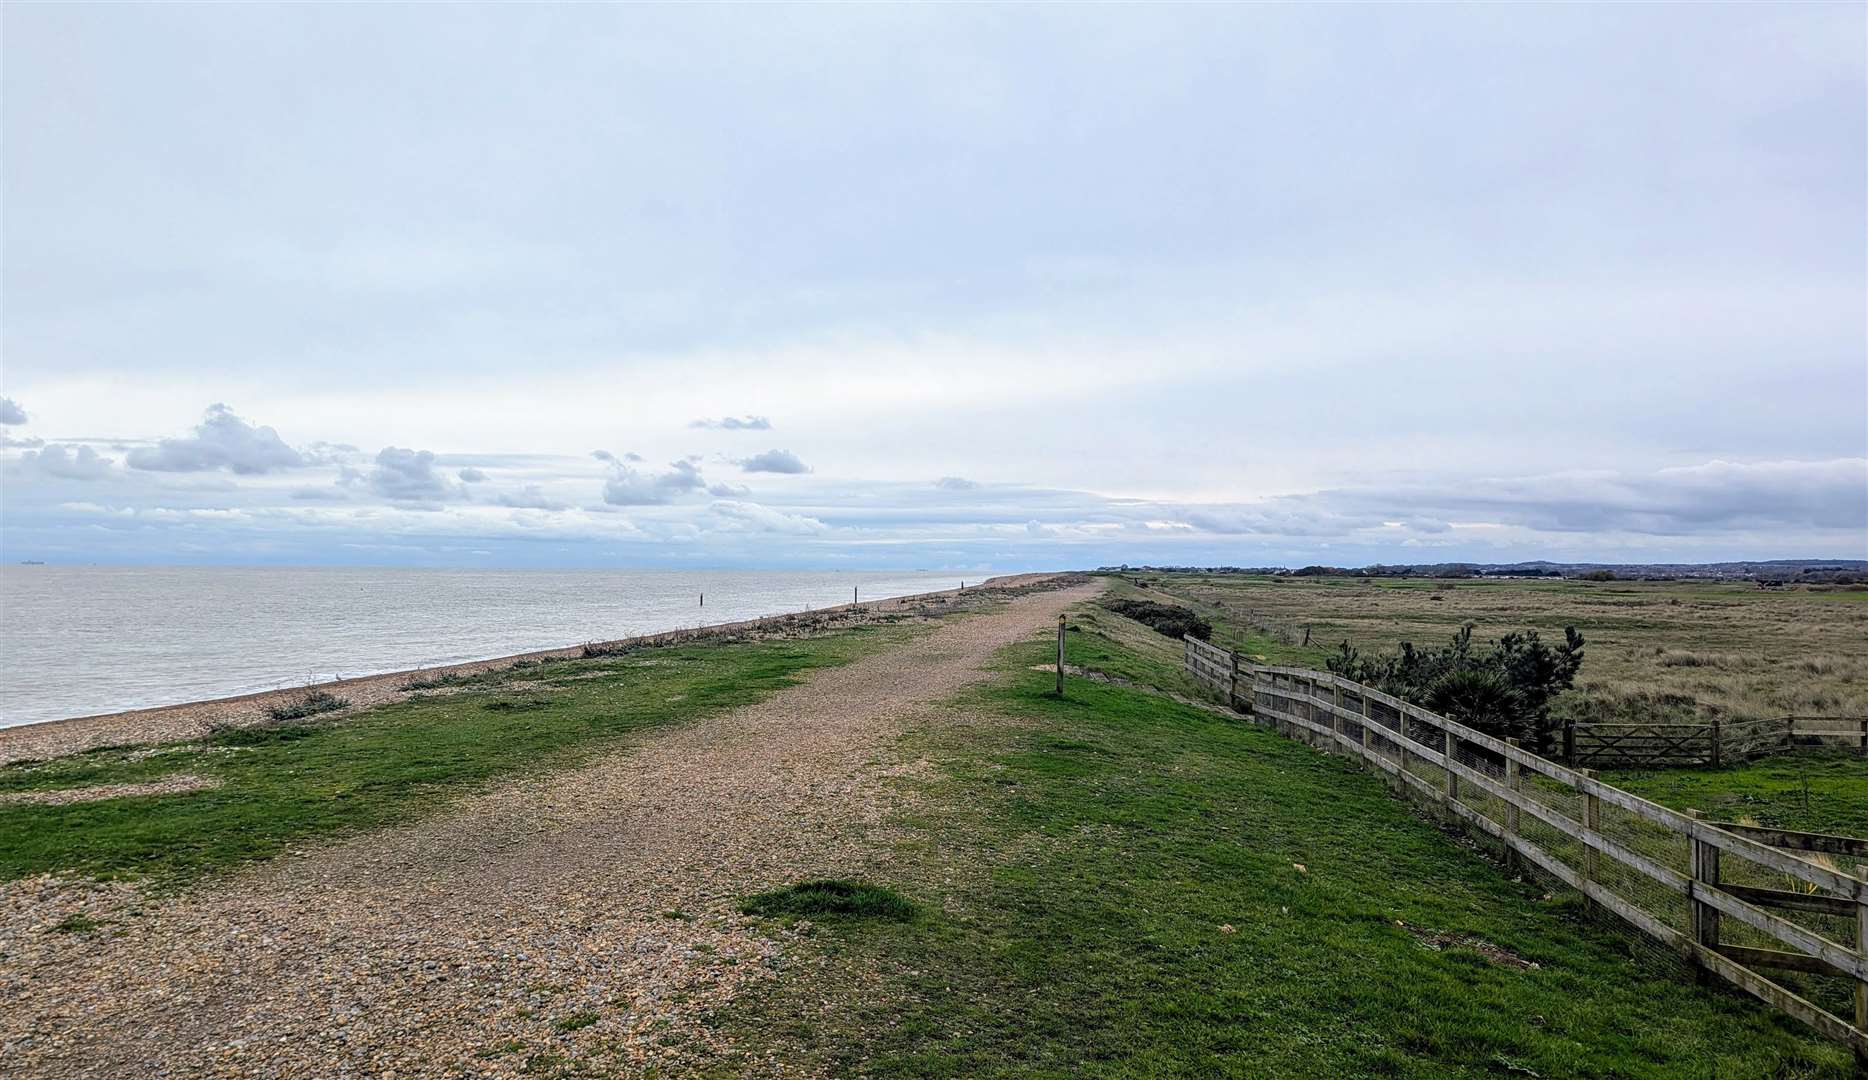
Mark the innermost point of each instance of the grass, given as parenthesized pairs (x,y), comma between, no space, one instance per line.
(1721,649)
(832,898)
(1116,885)
(281,786)
(576,1022)
(313,703)
(1805,791)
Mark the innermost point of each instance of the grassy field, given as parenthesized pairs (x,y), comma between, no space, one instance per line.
(1657,650)
(279,786)
(1115,884)
(1808,792)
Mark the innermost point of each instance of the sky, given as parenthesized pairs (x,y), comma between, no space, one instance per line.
(932,287)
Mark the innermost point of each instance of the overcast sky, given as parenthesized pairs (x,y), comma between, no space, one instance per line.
(933,286)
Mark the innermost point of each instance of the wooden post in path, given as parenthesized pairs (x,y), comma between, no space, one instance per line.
(1060,656)
(1703,918)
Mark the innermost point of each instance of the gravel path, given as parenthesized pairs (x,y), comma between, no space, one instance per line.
(581,918)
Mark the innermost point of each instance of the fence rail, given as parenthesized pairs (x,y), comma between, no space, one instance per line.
(1727,898)
(1715,743)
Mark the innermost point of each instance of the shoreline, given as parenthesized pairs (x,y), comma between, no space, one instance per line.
(180,721)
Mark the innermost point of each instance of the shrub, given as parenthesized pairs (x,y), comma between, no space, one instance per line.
(1175,622)
(313,703)
(1504,692)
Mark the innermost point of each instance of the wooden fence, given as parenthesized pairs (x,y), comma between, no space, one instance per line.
(1725,897)
(1715,743)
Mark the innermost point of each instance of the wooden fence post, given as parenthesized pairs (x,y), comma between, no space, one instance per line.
(1714,728)
(1592,821)
(1514,780)
(1864,738)
(1336,700)
(1367,750)
(1861,947)
(1232,691)
(1452,778)
(1703,918)
(1569,742)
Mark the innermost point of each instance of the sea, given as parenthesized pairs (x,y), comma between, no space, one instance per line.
(82,640)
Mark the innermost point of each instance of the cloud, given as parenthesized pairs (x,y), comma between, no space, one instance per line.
(471,475)
(1681,501)
(221,441)
(753,517)
(30,440)
(408,476)
(10,412)
(728,491)
(603,455)
(61,462)
(735,423)
(956,483)
(628,486)
(319,494)
(774,461)
(529,497)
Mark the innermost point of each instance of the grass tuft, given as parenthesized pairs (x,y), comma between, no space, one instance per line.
(818,899)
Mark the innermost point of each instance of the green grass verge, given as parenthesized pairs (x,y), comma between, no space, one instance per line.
(1806,791)
(282,786)
(1121,886)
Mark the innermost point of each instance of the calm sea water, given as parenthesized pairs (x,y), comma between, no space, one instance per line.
(81,640)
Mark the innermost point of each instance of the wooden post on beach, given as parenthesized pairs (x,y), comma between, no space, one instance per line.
(852,596)
(1060,656)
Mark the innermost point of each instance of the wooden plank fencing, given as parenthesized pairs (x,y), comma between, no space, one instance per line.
(1737,901)
(1715,743)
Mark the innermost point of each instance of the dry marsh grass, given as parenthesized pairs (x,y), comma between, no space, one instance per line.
(1682,650)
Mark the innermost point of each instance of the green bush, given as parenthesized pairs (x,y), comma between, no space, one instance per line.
(1175,622)
(1505,692)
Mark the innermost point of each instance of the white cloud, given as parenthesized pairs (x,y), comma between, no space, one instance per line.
(756,518)
(409,476)
(221,441)
(735,423)
(530,497)
(64,464)
(10,412)
(471,475)
(774,461)
(629,486)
